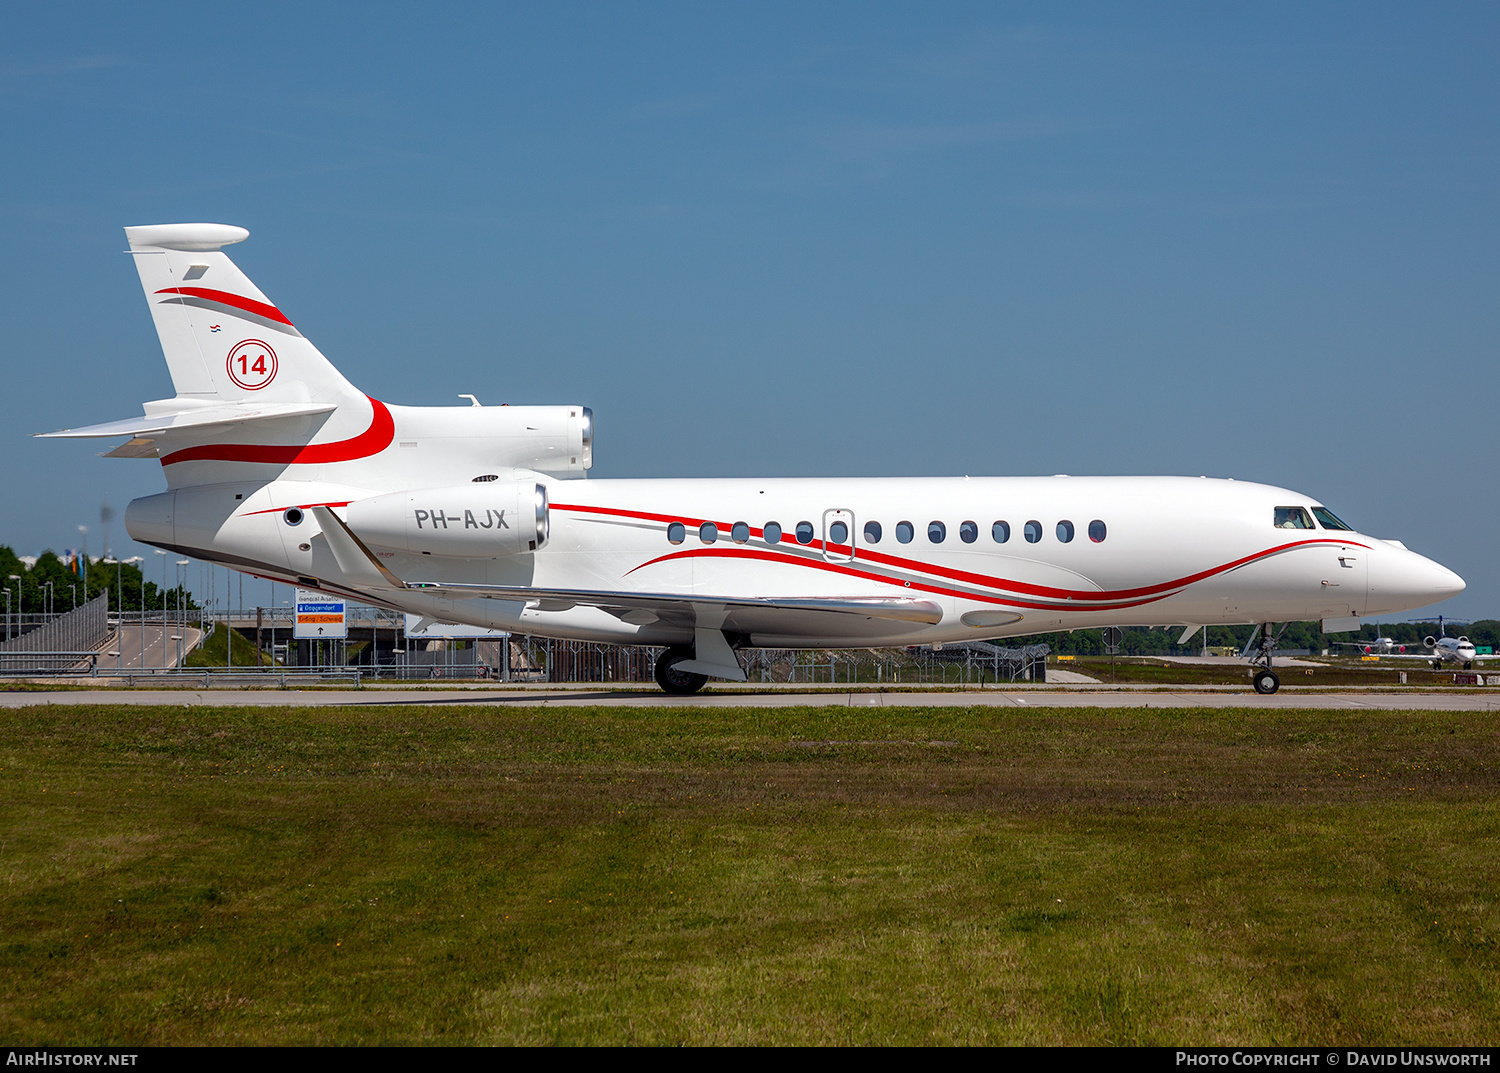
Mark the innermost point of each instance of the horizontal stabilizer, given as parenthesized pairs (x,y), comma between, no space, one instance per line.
(197,418)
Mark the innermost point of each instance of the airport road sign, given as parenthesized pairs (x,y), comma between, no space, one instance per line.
(319,617)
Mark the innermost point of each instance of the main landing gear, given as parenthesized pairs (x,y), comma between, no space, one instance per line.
(1265,679)
(679,683)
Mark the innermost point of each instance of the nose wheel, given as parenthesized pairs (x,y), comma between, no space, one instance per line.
(1265,679)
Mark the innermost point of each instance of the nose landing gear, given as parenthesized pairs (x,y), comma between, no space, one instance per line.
(1265,679)
(1266,682)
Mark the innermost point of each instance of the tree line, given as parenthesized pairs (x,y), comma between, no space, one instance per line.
(127,587)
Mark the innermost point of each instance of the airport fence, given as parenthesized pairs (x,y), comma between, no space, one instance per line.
(377,648)
(61,644)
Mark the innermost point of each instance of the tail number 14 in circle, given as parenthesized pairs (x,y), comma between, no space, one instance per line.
(252,365)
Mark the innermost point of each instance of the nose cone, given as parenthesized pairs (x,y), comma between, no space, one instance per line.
(1401,580)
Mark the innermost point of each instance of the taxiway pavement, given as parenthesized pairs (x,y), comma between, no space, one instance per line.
(1477,699)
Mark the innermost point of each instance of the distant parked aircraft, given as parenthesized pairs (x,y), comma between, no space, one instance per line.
(1381,646)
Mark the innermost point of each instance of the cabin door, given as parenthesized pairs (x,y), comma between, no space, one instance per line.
(838,535)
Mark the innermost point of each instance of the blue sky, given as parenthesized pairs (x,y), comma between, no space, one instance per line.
(1246,240)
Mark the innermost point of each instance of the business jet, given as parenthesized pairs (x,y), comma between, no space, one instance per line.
(278,466)
(1445,649)
(1452,650)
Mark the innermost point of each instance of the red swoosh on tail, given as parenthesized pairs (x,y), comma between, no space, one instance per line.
(371,441)
(249,305)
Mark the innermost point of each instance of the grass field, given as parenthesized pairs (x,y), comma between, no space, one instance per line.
(425,875)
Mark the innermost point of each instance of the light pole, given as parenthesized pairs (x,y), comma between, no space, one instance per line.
(109,560)
(181,607)
(163,608)
(139,559)
(47,600)
(17,579)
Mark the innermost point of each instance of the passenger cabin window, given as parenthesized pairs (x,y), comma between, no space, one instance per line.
(937,532)
(1033,532)
(1064,532)
(838,532)
(1097,531)
(804,532)
(872,532)
(676,533)
(1293,518)
(1000,531)
(772,533)
(740,533)
(1330,520)
(904,532)
(968,532)
(708,532)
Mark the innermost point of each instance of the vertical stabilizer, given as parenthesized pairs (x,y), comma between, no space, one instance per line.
(222,338)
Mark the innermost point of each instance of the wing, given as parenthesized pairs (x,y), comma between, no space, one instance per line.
(752,614)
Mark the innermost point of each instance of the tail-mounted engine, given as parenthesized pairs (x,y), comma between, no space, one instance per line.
(467,521)
(556,440)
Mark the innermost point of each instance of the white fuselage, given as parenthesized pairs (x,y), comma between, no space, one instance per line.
(1455,650)
(1171,550)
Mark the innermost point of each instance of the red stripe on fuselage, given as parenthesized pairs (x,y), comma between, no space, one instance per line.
(249,305)
(915,586)
(299,506)
(1143,593)
(371,441)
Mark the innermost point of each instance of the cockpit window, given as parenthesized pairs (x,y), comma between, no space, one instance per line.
(1329,519)
(1293,518)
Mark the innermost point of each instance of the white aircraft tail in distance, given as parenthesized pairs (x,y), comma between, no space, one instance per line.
(277,465)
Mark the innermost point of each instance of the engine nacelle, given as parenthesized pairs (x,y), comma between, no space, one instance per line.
(1430,641)
(470,440)
(482,520)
